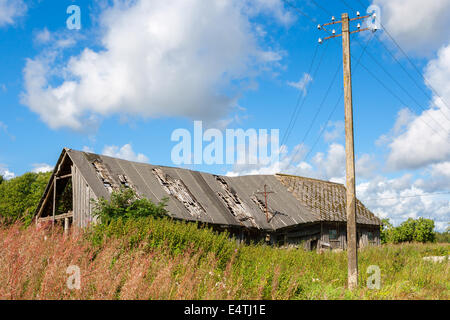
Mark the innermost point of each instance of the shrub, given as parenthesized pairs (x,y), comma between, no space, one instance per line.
(125,204)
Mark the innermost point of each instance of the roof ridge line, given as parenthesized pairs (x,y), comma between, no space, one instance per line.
(307,178)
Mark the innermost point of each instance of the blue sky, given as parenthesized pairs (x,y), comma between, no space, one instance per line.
(138,70)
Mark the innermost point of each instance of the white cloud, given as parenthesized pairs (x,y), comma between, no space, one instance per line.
(420,140)
(416,24)
(10,10)
(365,166)
(6,173)
(88,149)
(41,167)
(401,198)
(337,131)
(159,58)
(43,36)
(302,83)
(331,165)
(327,166)
(394,198)
(438,178)
(125,152)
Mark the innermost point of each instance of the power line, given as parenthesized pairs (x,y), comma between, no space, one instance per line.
(401,87)
(322,103)
(413,196)
(323,9)
(298,108)
(300,11)
(417,69)
(287,132)
(399,99)
(336,105)
(393,79)
(410,61)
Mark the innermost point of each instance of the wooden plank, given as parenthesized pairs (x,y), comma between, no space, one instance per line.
(54,199)
(57,217)
(64,176)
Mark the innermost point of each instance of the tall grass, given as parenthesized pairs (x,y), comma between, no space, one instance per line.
(162,259)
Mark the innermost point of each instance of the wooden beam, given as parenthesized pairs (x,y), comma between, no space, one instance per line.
(54,199)
(64,176)
(44,202)
(58,217)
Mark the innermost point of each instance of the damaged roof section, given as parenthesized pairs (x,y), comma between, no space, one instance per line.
(178,189)
(221,200)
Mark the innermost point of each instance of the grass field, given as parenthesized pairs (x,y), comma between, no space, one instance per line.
(162,259)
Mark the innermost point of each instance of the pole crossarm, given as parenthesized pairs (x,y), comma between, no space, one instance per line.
(322,27)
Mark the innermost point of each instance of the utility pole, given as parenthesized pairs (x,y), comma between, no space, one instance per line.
(265,199)
(352,251)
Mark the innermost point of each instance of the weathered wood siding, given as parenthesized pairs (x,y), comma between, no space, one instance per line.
(82,204)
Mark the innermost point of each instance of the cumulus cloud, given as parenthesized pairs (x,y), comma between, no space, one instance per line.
(421,140)
(41,167)
(327,166)
(417,25)
(302,83)
(337,130)
(395,198)
(43,36)
(10,10)
(158,58)
(402,198)
(125,152)
(7,174)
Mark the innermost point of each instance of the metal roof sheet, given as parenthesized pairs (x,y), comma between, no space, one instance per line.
(208,198)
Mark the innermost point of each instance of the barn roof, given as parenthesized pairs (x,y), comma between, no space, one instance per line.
(221,200)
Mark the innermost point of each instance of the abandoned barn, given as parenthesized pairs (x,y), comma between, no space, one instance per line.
(280,209)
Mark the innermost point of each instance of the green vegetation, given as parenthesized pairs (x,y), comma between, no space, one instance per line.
(157,258)
(411,230)
(20,196)
(125,204)
(138,252)
(443,237)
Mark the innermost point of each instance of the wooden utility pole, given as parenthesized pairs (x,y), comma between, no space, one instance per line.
(352,251)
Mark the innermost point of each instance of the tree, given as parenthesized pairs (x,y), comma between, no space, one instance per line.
(418,230)
(424,230)
(20,196)
(1,179)
(385,230)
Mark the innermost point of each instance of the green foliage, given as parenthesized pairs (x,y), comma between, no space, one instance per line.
(165,233)
(411,230)
(125,204)
(1,179)
(264,272)
(20,196)
(443,237)
(385,229)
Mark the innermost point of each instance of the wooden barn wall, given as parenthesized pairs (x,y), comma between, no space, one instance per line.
(302,235)
(82,195)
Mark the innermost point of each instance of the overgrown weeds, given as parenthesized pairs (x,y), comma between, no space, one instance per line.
(149,258)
